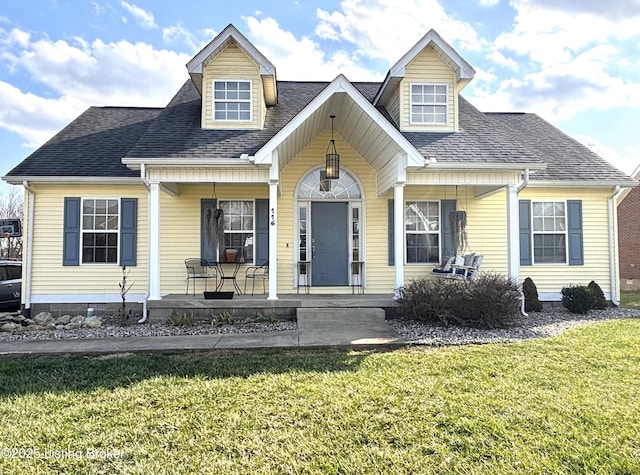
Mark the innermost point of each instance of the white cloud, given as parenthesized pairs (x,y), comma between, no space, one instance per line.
(35,118)
(387,29)
(82,74)
(626,162)
(302,59)
(489,3)
(145,18)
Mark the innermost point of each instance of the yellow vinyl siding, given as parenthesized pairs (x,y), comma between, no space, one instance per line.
(595,232)
(49,276)
(428,68)
(394,107)
(232,64)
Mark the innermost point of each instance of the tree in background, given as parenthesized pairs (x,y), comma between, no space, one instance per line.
(12,207)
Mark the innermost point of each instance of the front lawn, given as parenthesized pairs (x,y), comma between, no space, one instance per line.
(569,404)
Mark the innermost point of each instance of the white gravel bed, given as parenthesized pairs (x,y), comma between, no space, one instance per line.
(538,325)
(543,324)
(110,329)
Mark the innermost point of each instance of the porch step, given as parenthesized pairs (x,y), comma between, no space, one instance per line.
(344,326)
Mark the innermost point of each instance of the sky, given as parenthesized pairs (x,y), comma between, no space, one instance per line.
(574,63)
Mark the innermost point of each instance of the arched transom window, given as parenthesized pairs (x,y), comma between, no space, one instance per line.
(314,187)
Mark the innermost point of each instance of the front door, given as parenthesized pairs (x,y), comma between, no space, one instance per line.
(329,244)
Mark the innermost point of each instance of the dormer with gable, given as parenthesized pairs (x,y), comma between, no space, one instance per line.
(236,82)
(421,90)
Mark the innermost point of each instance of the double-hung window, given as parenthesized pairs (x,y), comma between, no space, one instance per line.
(232,100)
(549,226)
(100,230)
(429,104)
(422,231)
(239,228)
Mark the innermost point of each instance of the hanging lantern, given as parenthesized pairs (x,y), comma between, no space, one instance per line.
(332,163)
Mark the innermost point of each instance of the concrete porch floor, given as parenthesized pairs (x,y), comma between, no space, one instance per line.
(247,305)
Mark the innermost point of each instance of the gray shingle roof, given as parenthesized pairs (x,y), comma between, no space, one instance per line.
(91,145)
(95,143)
(565,157)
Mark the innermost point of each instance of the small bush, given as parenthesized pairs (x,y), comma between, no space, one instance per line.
(577,298)
(490,301)
(531,301)
(179,319)
(221,319)
(600,302)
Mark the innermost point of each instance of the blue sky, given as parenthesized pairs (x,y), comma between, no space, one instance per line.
(575,63)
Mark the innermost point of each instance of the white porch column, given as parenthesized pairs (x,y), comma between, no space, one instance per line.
(154,241)
(398,233)
(273,241)
(513,233)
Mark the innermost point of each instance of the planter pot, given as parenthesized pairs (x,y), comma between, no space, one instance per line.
(218,295)
(231,255)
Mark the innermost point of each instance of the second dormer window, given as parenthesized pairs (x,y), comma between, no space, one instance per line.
(232,100)
(429,104)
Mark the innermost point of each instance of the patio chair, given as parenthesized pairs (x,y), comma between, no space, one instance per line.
(256,272)
(199,269)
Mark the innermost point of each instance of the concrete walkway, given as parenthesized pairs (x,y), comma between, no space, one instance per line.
(317,328)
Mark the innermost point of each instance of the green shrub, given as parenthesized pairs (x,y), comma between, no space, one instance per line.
(531,301)
(577,298)
(600,302)
(490,301)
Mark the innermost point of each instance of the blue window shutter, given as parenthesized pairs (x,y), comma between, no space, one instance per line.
(525,233)
(262,232)
(574,213)
(71,232)
(446,207)
(208,235)
(390,233)
(128,231)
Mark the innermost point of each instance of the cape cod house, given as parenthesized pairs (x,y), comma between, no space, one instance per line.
(141,187)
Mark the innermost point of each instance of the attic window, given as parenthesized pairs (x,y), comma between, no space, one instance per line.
(232,100)
(429,103)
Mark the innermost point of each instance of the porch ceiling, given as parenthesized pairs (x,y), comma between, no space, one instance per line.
(355,125)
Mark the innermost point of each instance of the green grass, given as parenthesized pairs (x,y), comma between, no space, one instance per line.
(630,298)
(563,405)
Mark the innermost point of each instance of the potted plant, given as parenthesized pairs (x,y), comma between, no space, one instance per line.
(231,254)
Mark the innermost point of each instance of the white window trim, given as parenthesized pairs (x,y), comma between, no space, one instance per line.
(446,103)
(238,231)
(565,232)
(214,100)
(94,231)
(438,233)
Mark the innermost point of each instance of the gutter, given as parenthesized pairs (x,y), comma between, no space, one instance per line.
(28,259)
(522,186)
(613,245)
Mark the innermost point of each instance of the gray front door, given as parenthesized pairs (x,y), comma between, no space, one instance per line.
(330,244)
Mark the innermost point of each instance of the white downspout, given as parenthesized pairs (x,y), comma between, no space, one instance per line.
(613,248)
(145,313)
(522,186)
(28,259)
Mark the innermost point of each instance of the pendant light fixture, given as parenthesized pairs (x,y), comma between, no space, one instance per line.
(332,164)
